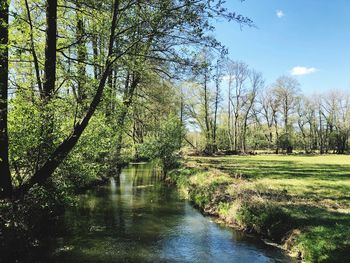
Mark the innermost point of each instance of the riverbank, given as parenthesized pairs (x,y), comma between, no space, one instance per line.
(299,202)
(27,220)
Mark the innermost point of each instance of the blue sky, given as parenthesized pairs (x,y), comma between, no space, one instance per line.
(311,36)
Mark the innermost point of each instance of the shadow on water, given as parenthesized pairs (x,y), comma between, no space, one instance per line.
(137,219)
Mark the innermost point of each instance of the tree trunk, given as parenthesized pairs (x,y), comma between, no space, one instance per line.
(50,50)
(320,136)
(47,114)
(81,56)
(244,133)
(32,46)
(208,147)
(127,101)
(95,55)
(236,132)
(217,96)
(229,118)
(182,106)
(277,135)
(5,175)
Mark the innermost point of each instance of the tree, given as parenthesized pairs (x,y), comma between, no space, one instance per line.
(206,106)
(218,79)
(50,50)
(80,92)
(336,107)
(86,55)
(269,105)
(166,143)
(306,117)
(256,84)
(48,91)
(239,74)
(68,144)
(200,107)
(5,176)
(287,91)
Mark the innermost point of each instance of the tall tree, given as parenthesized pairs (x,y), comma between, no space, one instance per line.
(240,73)
(287,91)
(32,47)
(256,84)
(269,107)
(207,117)
(50,50)
(5,176)
(48,90)
(80,93)
(218,79)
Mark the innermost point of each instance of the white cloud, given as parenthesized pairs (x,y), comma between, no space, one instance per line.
(227,78)
(279,13)
(299,71)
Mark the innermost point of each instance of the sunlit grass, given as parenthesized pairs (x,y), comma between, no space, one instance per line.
(315,192)
(314,178)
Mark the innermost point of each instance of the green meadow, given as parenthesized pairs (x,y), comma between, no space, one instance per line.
(300,202)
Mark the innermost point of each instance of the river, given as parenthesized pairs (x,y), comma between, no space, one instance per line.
(138,219)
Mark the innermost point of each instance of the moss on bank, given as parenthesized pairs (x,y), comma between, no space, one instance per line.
(309,230)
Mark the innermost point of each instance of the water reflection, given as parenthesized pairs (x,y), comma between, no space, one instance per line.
(137,219)
(113,185)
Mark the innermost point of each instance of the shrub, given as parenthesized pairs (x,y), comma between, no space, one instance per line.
(325,244)
(264,218)
(200,196)
(165,145)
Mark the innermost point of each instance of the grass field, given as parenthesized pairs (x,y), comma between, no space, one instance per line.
(302,202)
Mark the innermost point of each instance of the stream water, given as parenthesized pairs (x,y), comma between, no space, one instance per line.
(138,219)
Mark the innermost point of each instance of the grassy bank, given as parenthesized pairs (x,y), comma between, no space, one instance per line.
(300,202)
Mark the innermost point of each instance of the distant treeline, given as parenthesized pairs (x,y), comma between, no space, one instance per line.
(238,112)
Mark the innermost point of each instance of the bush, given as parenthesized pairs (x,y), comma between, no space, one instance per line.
(285,142)
(264,218)
(325,244)
(165,145)
(24,223)
(200,196)
(224,209)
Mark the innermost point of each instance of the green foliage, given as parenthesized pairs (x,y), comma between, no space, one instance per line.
(24,132)
(181,175)
(224,209)
(45,202)
(285,142)
(200,196)
(166,144)
(89,161)
(264,217)
(85,163)
(325,244)
(24,222)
